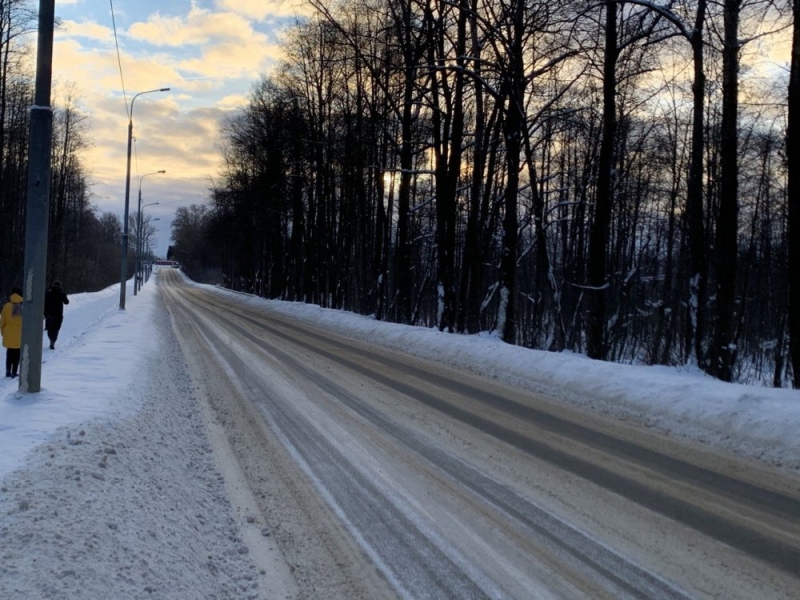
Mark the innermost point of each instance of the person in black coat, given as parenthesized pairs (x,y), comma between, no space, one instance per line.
(54,301)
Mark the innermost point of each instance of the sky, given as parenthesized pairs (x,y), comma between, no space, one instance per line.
(93,467)
(208,52)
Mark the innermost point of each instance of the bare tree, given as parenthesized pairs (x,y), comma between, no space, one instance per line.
(722,353)
(793,159)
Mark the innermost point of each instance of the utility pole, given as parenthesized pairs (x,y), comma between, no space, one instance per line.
(137,271)
(38,201)
(124,262)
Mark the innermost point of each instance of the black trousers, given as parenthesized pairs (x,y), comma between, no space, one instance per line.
(53,325)
(12,361)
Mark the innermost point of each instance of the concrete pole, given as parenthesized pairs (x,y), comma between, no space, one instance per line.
(38,206)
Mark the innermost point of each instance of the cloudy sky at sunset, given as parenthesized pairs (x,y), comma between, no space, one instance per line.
(209,52)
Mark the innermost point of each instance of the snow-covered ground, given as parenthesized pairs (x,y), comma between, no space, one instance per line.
(95,469)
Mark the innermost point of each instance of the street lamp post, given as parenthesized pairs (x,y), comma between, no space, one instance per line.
(139,224)
(145,238)
(149,268)
(124,266)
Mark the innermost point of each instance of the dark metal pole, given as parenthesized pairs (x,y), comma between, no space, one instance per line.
(123,277)
(124,266)
(38,201)
(138,240)
(137,274)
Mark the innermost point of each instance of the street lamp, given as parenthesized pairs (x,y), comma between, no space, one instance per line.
(124,266)
(146,271)
(139,224)
(139,273)
(146,252)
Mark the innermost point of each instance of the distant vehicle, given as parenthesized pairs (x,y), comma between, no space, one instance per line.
(167,263)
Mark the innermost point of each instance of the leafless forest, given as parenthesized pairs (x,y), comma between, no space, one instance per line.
(610,177)
(615,178)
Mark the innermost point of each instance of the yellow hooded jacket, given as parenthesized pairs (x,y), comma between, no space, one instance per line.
(11,322)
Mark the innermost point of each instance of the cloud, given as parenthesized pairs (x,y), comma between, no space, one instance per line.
(261,10)
(96,71)
(166,136)
(199,27)
(177,131)
(234,101)
(209,44)
(86,29)
(230,60)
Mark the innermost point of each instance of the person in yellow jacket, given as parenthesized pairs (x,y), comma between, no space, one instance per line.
(11,329)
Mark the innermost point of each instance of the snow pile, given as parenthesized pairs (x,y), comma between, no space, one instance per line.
(124,498)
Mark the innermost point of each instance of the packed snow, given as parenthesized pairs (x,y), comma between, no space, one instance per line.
(103,482)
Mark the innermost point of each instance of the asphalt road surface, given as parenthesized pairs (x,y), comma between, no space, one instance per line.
(384,476)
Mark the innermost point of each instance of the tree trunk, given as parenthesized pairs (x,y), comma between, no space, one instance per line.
(469,301)
(448,132)
(793,159)
(723,350)
(411,57)
(514,121)
(595,326)
(694,201)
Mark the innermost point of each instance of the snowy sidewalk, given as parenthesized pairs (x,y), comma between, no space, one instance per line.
(98,350)
(125,499)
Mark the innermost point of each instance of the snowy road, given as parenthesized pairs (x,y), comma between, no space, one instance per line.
(381,475)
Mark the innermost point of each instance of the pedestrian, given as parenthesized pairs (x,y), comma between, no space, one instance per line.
(54,301)
(11,330)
